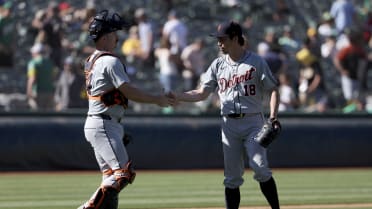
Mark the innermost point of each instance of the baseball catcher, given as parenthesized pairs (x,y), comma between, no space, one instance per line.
(269,132)
(107,82)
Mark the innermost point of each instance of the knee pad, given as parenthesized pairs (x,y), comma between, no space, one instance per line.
(107,173)
(118,179)
(124,176)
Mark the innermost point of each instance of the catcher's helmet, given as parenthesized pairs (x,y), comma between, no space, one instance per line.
(103,23)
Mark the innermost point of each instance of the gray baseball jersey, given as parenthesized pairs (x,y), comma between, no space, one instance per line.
(240,84)
(107,73)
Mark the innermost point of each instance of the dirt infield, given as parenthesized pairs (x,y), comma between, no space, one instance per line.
(318,206)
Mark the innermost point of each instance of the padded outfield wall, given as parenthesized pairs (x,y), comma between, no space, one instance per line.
(56,142)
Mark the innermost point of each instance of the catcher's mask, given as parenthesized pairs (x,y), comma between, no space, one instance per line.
(104,23)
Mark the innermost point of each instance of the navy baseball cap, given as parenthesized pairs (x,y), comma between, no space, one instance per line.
(229,28)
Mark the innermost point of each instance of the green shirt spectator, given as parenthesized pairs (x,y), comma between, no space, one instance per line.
(41,73)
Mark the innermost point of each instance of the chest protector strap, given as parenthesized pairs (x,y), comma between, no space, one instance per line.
(108,98)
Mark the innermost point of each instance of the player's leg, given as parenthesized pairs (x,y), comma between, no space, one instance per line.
(106,196)
(270,192)
(232,198)
(258,161)
(113,161)
(233,167)
(95,201)
(262,173)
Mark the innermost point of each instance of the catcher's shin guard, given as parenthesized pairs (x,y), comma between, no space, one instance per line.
(106,197)
(103,198)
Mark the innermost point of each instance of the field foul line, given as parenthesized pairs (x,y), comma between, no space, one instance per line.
(323,206)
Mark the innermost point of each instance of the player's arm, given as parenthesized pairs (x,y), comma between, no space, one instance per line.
(195,95)
(137,95)
(274,103)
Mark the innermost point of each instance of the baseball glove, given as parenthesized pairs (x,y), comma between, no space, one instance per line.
(269,132)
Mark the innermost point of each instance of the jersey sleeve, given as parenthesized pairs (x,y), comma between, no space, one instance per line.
(117,72)
(209,79)
(267,78)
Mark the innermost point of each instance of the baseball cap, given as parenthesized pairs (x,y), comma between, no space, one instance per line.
(229,28)
(104,23)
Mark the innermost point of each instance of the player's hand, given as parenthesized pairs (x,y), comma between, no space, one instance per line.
(165,101)
(172,95)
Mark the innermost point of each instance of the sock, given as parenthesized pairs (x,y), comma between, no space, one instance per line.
(268,188)
(232,198)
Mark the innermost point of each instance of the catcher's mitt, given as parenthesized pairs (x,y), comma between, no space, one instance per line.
(268,133)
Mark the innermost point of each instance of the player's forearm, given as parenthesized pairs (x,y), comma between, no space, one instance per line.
(191,96)
(274,103)
(137,95)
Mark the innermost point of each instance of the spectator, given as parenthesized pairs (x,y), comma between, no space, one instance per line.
(82,45)
(176,32)
(328,53)
(351,62)
(67,93)
(272,39)
(273,59)
(40,84)
(328,48)
(343,12)
(288,42)
(314,41)
(312,92)
(367,34)
(168,75)
(37,26)
(288,98)
(326,27)
(49,25)
(193,60)
(146,37)
(282,11)
(131,48)
(68,13)
(7,32)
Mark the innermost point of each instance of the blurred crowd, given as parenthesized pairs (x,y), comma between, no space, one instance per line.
(320,52)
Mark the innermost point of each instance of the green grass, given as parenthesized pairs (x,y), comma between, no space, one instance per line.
(176,189)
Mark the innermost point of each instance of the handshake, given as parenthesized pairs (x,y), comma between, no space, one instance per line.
(168,99)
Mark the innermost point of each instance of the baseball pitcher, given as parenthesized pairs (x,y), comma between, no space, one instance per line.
(241,78)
